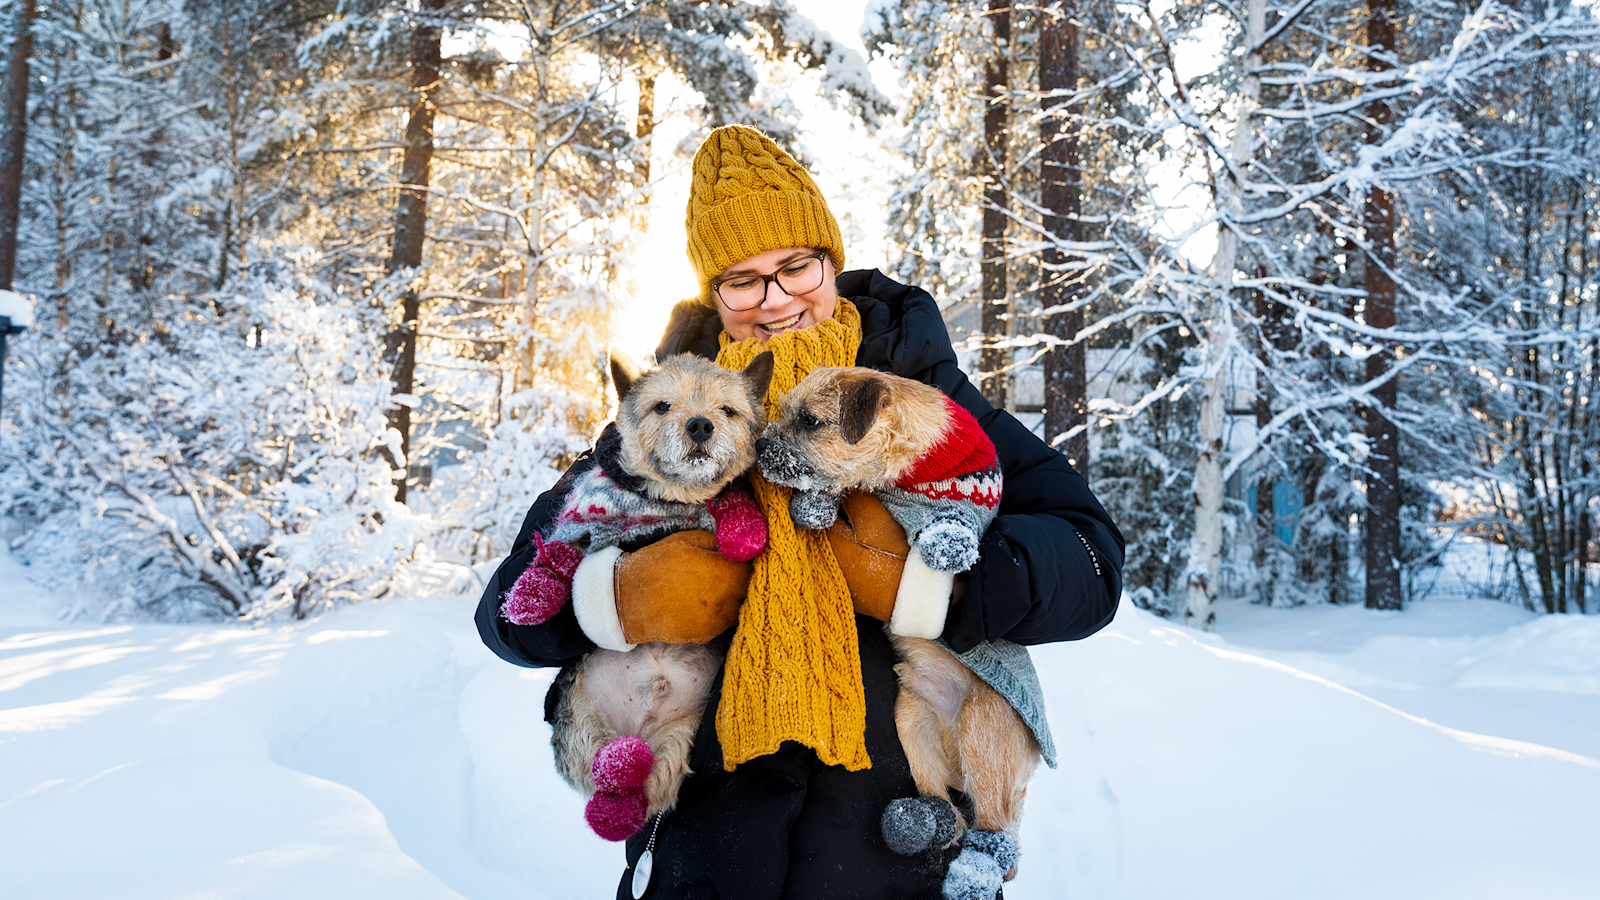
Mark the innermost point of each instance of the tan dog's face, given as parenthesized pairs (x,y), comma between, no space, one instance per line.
(851,428)
(690,426)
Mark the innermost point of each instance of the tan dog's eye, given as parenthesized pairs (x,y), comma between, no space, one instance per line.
(663,407)
(730,412)
(810,422)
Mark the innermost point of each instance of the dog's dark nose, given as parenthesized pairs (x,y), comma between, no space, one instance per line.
(699,429)
(762,444)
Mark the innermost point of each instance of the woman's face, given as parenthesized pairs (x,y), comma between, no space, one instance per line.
(779,311)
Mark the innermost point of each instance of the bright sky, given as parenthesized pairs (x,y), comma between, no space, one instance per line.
(846,163)
(850,167)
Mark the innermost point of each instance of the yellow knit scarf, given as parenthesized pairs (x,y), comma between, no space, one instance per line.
(794,671)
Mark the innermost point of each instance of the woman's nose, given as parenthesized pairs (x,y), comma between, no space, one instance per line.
(776,296)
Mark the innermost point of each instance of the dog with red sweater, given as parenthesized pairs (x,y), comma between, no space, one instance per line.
(972,722)
(624,719)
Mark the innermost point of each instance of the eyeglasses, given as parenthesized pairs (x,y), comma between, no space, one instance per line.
(745,292)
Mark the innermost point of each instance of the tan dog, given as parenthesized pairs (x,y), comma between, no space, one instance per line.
(936,472)
(623,722)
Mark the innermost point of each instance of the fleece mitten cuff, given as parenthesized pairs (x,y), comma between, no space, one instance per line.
(922,600)
(594,600)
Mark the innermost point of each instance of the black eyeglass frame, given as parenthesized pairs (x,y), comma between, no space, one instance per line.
(767,280)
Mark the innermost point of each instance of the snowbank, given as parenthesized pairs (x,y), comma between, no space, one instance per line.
(382,752)
(17,307)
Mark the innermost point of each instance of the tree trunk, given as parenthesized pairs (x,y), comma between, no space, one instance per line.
(14,143)
(995,296)
(1205,548)
(645,132)
(1383,439)
(1061,195)
(411,220)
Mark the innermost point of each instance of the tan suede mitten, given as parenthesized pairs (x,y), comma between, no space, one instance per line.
(680,590)
(871,550)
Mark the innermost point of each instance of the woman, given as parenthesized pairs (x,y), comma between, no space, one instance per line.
(786,794)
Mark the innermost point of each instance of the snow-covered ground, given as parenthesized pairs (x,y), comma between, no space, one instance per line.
(1446,751)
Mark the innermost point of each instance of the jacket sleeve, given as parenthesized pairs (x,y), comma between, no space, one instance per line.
(1050,567)
(552,643)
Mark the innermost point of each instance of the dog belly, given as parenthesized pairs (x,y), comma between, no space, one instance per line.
(649,686)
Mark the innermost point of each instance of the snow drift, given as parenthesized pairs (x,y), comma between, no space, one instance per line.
(368,754)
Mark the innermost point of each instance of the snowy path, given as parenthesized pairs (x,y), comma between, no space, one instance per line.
(382,752)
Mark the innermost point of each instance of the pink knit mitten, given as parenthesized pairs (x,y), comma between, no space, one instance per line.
(543,588)
(624,764)
(619,770)
(615,817)
(741,528)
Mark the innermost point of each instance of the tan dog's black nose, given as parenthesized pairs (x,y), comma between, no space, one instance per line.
(699,429)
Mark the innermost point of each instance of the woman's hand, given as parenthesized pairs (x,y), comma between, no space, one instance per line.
(680,590)
(871,548)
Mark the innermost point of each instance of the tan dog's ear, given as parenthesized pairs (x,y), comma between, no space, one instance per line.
(624,374)
(759,376)
(859,401)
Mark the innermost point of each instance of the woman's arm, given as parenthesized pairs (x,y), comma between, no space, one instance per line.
(551,643)
(1050,567)
(679,589)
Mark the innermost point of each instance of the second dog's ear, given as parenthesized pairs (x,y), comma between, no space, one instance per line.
(759,376)
(624,373)
(859,402)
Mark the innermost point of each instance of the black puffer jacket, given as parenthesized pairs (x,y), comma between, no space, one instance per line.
(785,825)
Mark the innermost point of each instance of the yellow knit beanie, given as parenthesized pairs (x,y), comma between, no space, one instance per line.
(747,197)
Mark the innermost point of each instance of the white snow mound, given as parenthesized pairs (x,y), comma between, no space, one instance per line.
(383,752)
(17,307)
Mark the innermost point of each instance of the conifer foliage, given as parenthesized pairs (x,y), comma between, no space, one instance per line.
(1333,348)
(289,256)
(1307,289)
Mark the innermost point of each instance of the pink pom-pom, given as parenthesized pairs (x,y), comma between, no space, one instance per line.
(615,817)
(623,764)
(559,557)
(536,597)
(741,528)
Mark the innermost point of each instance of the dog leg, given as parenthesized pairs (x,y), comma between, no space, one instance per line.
(998,757)
(912,825)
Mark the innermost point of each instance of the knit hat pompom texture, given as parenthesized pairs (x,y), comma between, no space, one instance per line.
(747,197)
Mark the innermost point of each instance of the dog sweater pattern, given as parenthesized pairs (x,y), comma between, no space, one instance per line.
(947,498)
(961,466)
(608,506)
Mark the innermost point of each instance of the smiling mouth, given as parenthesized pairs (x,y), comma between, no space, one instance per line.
(695,456)
(775,327)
